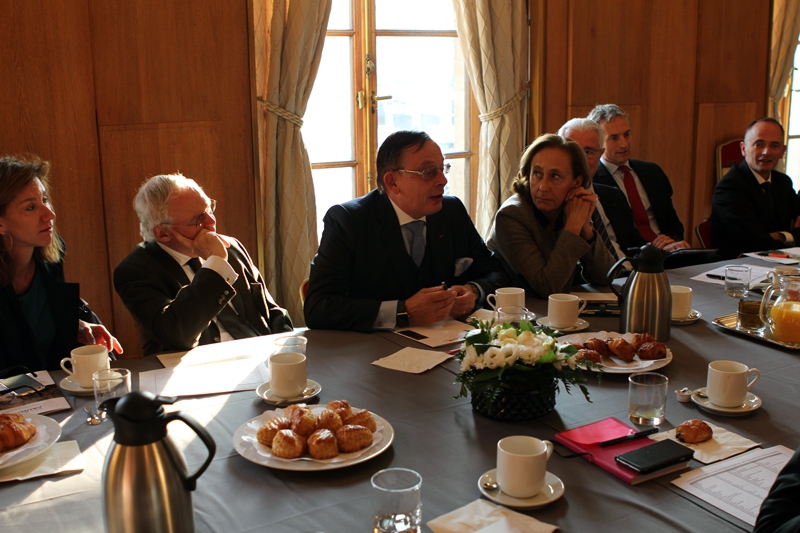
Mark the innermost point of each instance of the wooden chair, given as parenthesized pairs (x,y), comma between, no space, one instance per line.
(703,232)
(728,154)
(303,291)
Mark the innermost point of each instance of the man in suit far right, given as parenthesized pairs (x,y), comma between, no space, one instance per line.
(755,207)
(644,184)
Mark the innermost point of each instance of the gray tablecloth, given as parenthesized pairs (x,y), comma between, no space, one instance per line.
(440,437)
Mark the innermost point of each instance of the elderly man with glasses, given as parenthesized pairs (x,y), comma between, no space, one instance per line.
(186,284)
(404,253)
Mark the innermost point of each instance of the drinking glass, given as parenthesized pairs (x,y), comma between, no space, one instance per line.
(291,344)
(396,501)
(513,314)
(737,280)
(110,383)
(647,398)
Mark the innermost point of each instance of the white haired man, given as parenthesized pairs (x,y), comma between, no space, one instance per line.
(186,284)
(612,216)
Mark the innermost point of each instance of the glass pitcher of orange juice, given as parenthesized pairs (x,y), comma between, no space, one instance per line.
(783,316)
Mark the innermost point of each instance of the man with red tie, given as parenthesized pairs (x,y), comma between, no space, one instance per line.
(644,184)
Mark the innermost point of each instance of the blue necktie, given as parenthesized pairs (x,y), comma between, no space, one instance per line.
(417,240)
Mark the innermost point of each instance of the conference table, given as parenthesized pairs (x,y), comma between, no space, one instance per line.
(440,437)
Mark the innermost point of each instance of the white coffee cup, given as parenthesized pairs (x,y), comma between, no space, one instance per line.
(506,297)
(287,374)
(522,465)
(563,310)
(85,361)
(681,301)
(728,382)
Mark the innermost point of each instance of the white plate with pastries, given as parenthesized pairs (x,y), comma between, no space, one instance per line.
(48,431)
(247,445)
(615,365)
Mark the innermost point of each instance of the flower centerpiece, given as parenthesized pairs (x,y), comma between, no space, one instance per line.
(513,372)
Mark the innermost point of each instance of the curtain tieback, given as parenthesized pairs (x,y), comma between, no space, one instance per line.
(281,112)
(497,113)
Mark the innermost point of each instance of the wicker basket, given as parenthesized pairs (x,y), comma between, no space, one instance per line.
(523,404)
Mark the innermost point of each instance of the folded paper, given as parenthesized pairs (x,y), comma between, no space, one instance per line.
(412,360)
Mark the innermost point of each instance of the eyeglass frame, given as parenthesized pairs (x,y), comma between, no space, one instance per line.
(423,174)
(201,218)
(591,152)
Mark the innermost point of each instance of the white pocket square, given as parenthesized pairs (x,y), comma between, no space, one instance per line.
(462,265)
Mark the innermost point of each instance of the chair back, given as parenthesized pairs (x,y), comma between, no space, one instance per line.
(303,291)
(703,232)
(728,154)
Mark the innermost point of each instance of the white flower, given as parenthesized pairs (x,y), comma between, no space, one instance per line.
(507,335)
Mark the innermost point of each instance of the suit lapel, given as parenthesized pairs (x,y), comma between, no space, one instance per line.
(167,261)
(241,283)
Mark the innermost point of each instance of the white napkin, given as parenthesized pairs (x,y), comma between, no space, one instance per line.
(723,444)
(412,360)
(481,516)
(60,458)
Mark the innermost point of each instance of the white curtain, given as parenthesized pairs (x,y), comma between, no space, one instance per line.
(785,30)
(494,38)
(289,35)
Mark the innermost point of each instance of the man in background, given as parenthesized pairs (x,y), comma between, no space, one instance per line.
(755,207)
(404,253)
(645,186)
(186,284)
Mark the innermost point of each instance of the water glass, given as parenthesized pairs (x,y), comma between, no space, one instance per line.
(291,345)
(396,501)
(737,280)
(513,314)
(110,383)
(647,398)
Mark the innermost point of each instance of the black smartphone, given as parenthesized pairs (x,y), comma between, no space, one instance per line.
(656,456)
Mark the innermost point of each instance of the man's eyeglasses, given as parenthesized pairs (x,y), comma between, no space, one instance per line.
(201,219)
(591,152)
(427,174)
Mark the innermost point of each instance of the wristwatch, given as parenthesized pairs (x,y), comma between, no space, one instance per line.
(401,320)
(475,290)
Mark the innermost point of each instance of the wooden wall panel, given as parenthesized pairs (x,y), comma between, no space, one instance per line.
(668,120)
(158,61)
(556,61)
(47,95)
(716,124)
(732,59)
(609,51)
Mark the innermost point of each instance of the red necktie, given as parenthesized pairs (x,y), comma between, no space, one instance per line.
(639,214)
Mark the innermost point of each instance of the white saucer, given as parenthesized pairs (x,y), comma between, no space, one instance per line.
(751,403)
(265,393)
(693,317)
(580,325)
(553,490)
(71,386)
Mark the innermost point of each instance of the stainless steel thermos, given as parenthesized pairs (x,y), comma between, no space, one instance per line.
(146,485)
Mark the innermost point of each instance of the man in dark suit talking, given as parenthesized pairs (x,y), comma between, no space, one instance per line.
(404,253)
(186,284)
(644,184)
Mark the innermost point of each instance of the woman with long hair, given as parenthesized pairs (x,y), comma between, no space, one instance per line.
(42,318)
(544,231)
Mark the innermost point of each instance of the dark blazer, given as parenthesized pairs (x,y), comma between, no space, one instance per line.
(17,342)
(172,314)
(619,214)
(741,219)
(779,511)
(362,261)
(659,192)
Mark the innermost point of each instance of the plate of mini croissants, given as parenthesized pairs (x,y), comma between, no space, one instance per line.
(620,353)
(304,438)
(24,436)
